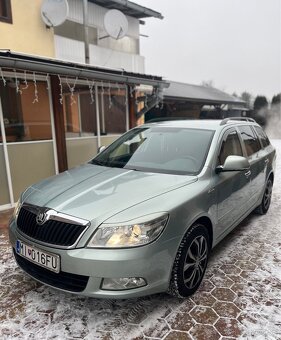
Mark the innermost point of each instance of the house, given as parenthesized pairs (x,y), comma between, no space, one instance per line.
(56,110)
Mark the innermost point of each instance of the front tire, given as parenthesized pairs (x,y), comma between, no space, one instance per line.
(190,262)
(266,199)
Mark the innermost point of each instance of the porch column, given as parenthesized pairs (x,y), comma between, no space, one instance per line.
(59,124)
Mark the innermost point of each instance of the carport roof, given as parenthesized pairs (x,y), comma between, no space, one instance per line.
(199,94)
(129,8)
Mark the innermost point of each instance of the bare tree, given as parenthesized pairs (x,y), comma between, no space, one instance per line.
(247,97)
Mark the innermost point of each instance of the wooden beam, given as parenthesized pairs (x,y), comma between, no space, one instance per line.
(59,124)
(132,108)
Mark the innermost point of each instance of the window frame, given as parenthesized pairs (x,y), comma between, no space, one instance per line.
(243,142)
(224,137)
(7,19)
(259,137)
(30,77)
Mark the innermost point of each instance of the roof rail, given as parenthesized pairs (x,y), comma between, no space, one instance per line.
(247,119)
(164,119)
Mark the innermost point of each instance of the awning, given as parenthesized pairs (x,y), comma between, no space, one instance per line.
(33,63)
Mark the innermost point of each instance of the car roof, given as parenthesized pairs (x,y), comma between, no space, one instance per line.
(205,124)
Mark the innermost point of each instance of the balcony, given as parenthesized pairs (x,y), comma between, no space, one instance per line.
(73,50)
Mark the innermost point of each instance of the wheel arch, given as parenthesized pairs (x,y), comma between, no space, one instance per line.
(206,221)
(271,176)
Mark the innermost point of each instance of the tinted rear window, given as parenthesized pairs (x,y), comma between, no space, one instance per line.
(262,136)
(250,140)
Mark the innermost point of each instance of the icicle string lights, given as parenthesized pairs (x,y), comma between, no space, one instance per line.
(91,86)
(25,82)
(132,89)
(105,88)
(71,89)
(60,85)
(36,99)
(2,77)
(18,90)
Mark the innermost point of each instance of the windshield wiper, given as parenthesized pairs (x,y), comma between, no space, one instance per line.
(96,162)
(131,168)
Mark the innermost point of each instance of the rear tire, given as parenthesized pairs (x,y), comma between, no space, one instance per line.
(190,262)
(266,199)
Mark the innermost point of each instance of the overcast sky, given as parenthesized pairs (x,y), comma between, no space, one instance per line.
(234,43)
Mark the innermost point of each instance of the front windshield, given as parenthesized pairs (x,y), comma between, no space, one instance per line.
(158,149)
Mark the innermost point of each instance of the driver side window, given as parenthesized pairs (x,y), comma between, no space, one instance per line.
(230,146)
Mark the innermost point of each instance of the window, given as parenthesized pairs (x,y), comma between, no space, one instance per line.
(251,142)
(23,119)
(5,11)
(79,113)
(112,109)
(230,147)
(263,137)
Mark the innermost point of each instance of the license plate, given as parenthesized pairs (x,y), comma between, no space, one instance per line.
(42,258)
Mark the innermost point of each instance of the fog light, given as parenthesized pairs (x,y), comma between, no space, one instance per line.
(123,283)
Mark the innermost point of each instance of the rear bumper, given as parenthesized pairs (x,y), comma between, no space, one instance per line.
(152,262)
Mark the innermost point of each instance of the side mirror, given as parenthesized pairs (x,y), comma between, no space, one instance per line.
(101,148)
(234,163)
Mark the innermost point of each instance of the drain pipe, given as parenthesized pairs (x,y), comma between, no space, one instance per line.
(86,31)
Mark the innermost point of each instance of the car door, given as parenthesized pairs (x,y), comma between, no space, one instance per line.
(232,188)
(256,158)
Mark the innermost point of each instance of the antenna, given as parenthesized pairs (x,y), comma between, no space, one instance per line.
(54,12)
(115,24)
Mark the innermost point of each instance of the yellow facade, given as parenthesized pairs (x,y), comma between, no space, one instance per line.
(28,33)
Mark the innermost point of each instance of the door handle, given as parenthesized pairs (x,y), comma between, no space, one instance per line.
(248,173)
(266,160)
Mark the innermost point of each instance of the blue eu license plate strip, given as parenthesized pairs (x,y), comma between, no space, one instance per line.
(44,259)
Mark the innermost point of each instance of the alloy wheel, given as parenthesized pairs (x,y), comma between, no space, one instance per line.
(267,194)
(195,261)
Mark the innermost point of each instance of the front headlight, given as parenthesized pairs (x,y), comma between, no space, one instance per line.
(140,232)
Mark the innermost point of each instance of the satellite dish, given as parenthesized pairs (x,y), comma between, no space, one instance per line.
(54,12)
(115,24)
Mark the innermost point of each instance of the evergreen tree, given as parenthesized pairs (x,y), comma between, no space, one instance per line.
(276,99)
(260,103)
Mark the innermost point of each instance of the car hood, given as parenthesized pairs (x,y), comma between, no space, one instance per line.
(91,191)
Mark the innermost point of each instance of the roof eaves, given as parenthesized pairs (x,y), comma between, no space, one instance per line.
(129,8)
(203,100)
(16,60)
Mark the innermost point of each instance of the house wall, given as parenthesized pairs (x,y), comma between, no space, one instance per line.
(27,33)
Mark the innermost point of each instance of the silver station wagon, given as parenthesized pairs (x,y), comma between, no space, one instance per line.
(143,215)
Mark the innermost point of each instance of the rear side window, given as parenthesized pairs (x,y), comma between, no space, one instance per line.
(230,146)
(262,136)
(251,142)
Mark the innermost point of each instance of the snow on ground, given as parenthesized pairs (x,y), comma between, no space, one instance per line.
(239,298)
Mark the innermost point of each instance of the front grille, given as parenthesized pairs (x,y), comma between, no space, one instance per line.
(62,280)
(52,232)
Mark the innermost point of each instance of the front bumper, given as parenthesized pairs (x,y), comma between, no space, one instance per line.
(153,262)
